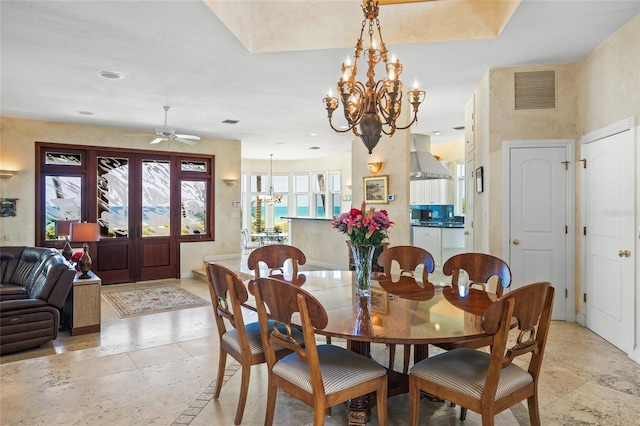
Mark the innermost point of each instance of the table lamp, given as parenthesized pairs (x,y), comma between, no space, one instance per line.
(85,232)
(63,229)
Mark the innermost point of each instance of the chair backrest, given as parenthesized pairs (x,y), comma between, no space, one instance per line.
(531,307)
(279,301)
(225,286)
(480,267)
(274,256)
(408,258)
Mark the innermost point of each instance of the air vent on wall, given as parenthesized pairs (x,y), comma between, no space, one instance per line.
(535,90)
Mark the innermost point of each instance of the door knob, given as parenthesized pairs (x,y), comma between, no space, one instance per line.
(626,253)
(516,242)
(466,232)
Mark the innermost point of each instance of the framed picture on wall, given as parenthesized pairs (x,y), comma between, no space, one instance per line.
(376,189)
(479,179)
(7,207)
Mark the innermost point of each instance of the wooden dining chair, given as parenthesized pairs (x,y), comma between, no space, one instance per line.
(321,376)
(408,259)
(489,383)
(274,257)
(242,341)
(481,268)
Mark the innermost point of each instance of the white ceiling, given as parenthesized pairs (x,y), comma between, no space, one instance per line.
(179,53)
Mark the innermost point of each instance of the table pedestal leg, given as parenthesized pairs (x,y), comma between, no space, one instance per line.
(360,408)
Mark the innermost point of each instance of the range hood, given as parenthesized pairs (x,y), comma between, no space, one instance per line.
(423,165)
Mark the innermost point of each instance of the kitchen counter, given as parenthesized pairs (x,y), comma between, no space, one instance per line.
(439,224)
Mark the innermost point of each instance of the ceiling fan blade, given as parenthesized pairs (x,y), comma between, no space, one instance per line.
(197,138)
(156,140)
(187,141)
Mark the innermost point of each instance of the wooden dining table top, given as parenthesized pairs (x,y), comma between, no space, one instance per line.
(400,310)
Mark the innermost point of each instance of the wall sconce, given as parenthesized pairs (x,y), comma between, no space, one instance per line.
(229,182)
(6,174)
(375,167)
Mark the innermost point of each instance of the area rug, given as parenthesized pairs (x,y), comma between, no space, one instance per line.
(152,300)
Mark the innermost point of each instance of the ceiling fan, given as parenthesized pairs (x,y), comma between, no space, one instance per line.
(165,133)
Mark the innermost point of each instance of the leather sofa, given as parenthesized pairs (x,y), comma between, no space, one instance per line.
(34,283)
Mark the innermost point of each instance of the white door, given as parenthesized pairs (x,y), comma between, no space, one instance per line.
(538,220)
(470,190)
(609,214)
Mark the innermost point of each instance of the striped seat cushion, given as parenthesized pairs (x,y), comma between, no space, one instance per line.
(465,370)
(341,369)
(253,335)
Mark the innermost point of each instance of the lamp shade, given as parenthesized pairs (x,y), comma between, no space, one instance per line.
(63,227)
(85,232)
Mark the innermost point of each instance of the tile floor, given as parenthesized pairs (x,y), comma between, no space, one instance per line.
(160,369)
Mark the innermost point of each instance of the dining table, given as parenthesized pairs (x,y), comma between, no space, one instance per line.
(400,310)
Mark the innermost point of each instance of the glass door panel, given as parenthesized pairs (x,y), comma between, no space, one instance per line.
(156,198)
(113,196)
(193,204)
(63,200)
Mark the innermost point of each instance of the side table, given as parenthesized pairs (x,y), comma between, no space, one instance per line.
(82,307)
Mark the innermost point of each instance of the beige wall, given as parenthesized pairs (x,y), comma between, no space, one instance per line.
(17,152)
(609,80)
(394,153)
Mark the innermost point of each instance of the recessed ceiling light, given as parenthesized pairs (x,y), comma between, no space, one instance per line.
(85,113)
(111,75)
(459,128)
(279,143)
(314,147)
(227,121)
(436,133)
(313,134)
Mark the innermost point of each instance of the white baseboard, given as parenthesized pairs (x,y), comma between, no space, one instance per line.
(581,319)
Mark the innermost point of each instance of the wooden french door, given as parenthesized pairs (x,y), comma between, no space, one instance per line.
(137,241)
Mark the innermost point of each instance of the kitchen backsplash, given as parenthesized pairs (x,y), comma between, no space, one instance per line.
(434,213)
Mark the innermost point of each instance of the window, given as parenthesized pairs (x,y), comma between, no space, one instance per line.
(320,194)
(302,195)
(334,190)
(259,188)
(280,209)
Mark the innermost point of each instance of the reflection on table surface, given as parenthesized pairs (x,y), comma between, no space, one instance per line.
(400,309)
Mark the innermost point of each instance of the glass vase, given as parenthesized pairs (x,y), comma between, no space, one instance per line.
(362,260)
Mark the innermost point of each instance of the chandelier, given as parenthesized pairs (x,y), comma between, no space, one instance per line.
(373,106)
(271,198)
